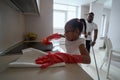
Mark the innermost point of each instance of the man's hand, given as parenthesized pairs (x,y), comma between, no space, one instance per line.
(92,43)
(89,33)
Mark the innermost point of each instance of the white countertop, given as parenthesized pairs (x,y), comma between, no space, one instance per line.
(67,72)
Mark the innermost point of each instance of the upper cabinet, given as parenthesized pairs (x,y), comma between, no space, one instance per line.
(25,6)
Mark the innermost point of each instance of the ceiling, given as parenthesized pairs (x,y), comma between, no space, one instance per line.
(106,3)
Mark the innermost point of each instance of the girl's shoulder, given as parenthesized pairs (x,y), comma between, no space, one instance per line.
(81,40)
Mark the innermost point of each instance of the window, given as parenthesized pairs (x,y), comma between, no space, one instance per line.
(59,19)
(103,26)
(63,13)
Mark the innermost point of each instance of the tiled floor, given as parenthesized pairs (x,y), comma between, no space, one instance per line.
(91,69)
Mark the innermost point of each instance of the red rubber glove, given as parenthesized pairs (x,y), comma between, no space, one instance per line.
(54,36)
(57,57)
(48,60)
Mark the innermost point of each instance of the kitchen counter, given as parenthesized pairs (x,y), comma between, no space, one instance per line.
(67,72)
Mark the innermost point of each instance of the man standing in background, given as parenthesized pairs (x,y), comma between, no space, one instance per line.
(91,26)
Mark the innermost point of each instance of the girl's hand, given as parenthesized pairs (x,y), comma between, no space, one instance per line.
(57,57)
(54,36)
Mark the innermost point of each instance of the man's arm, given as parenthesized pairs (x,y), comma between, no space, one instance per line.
(95,37)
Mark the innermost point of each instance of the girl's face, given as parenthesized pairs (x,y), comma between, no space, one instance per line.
(71,34)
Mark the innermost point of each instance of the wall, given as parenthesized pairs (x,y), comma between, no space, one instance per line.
(84,11)
(43,24)
(98,10)
(107,12)
(11,26)
(114,28)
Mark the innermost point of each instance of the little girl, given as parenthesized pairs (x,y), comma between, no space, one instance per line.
(75,48)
